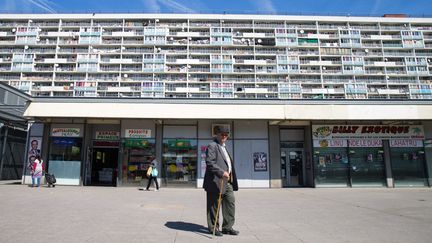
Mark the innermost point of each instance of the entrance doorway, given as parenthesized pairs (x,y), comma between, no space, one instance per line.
(292,167)
(104,166)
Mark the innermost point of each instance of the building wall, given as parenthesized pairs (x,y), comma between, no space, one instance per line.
(217,56)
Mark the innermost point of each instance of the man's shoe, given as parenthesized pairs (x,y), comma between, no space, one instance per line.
(217,233)
(231,232)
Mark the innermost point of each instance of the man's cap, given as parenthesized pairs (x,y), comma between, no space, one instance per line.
(222,129)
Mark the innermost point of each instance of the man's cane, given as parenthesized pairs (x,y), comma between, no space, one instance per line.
(218,207)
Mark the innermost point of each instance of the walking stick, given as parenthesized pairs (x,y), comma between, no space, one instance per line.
(218,207)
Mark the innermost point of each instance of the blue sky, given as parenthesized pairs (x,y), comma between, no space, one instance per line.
(314,7)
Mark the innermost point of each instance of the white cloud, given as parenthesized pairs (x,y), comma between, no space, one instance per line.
(43,4)
(28,6)
(176,6)
(265,6)
(376,7)
(152,5)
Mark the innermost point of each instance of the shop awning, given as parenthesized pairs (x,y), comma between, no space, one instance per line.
(276,110)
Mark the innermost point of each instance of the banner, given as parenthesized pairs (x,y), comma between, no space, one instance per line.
(368,131)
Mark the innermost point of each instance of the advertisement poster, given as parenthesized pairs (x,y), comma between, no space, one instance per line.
(34,150)
(260,161)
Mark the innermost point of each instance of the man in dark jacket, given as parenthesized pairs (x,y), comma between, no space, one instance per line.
(220,166)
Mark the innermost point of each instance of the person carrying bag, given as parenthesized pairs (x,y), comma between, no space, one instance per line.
(152,174)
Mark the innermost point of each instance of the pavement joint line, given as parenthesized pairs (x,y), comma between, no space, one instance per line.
(248,229)
(289,232)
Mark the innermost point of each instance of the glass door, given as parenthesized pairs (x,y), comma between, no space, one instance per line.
(104,166)
(292,167)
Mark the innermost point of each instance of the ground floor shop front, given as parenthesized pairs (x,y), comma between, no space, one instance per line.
(267,154)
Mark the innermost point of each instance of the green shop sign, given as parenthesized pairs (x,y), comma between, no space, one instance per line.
(179,144)
(136,143)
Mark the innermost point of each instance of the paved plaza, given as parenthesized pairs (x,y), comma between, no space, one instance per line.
(126,214)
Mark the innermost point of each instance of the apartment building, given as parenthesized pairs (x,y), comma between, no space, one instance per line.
(323,101)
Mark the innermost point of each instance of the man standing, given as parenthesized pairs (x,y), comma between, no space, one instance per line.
(220,166)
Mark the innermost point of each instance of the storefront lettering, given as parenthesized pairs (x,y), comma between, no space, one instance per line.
(405,143)
(365,143)
(65,132)
(138,133)
(368,132)
(108,135)
(345,129)
(336,143)
(385,129)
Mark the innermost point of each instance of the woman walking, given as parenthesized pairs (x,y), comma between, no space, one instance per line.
(152,175)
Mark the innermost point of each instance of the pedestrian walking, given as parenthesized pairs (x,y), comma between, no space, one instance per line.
(220,182)
(152,174)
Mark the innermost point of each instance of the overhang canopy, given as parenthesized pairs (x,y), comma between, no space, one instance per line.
(210,109)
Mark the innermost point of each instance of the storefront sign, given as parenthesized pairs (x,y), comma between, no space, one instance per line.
(332,143)
(136,143)
(367,131)
(353,143)
(65,132)
(405,143)
(260,161)
(137,133)
(107,135)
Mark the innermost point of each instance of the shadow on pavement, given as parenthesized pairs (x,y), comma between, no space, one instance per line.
(196,228)
(10,182)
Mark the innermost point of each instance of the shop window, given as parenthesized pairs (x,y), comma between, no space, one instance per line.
(331,165)
(408,166)
(65,159)
(180,161)
(367,166)
(137,156)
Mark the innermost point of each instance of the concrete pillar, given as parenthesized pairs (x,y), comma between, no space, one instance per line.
(159,145)
(387,164)
(428,150)
(274,152)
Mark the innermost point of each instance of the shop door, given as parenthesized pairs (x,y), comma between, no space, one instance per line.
(292,167)
(104,166)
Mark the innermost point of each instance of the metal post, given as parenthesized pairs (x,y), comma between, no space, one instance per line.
(26,157)
(3,153)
